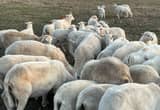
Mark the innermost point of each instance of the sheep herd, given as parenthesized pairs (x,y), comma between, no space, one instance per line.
(109,71)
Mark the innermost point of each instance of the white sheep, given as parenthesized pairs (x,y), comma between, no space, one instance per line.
(66,96)
(123,10)
(142,55)
(130,47)
(60,35)
(149,38)
(30,47)
(64,23)
(88,49)
(131,96)
(8,61)
(89,98)
(32,79)
(48,29)
(93,20)
(106,70)
(143,73)
(101,11)
(29,28)
(110,49)
(154,62)
(104,24)
(47,39)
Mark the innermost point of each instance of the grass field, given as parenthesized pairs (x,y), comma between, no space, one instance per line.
(13,14)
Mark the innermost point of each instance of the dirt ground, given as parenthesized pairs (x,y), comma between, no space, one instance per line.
(13,14)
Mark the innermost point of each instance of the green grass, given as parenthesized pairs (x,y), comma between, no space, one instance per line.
(13,14)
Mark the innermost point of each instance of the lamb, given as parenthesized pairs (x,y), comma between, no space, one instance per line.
(8,61)
(131,96)
(104,24)
(106,70)
(154,62)
(64,23)
(110,49)
(142,55)
(48,29)
(123,10)
(66,96)
(128,48)
(89,98)
(149,38)
(143,73)
(38,49)
(29,28)
(10,37)
(101,11)
(32,79)
(90,47)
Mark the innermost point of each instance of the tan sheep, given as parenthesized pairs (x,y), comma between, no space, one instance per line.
(32,79)
(31,47)
(106,70)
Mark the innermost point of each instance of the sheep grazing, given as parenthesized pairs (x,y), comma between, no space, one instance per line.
(29,28)
(131,96)
(10,37)
(123,10)
(48,29)
(9,61)
(142,55)
(110,49)
(128,48)
(154,62)
(32,79)
(106,70)
(143,73)
(64,23)
(66,96)
(88,49)
(30,47)
(149,38)
(89,98)
(101,11)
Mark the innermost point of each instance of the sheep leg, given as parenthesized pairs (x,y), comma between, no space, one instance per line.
(22,102)
(44,101)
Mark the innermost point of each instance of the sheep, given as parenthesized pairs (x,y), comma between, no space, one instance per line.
(10,37)
(89,98)
(149,38)
(8,61)
(128,48)
(62,34)
(74,39)
(154,62)
(32,79)
(29,28)
(142,55)
(64,23)
(106,70)
(93,20)
(131,96)
(88,49)
(105,25)
(30,47)
(110,49)
(101,11)
(47,39)
(66,96)
(123,10)
(116,32)
(48,29)
(143,73)
(87,28)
